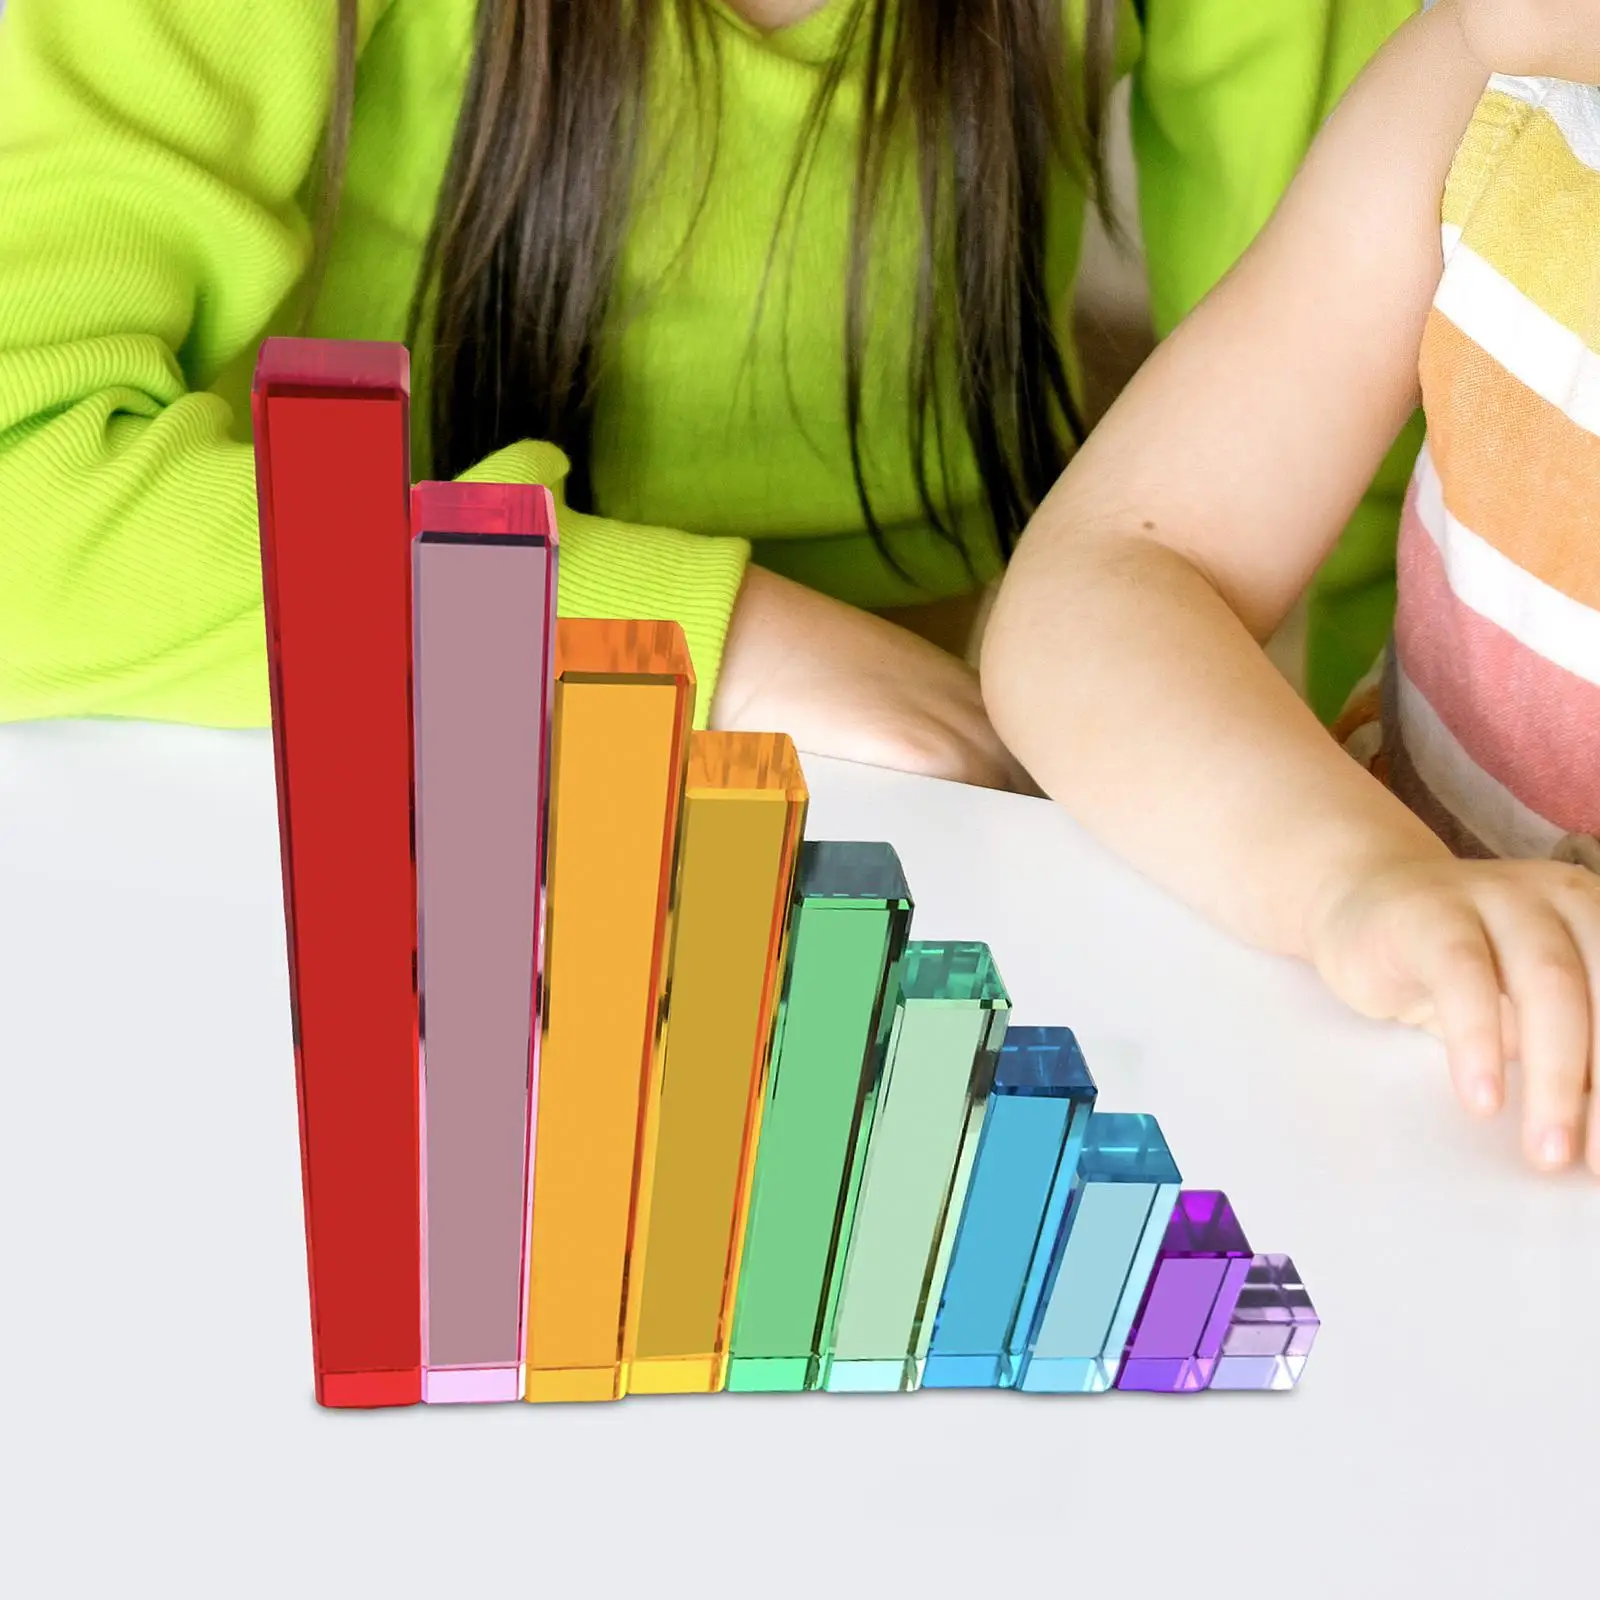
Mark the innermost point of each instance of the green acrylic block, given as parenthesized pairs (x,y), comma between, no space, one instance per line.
(846,943)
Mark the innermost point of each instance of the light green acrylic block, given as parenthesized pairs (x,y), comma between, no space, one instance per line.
(948,1028)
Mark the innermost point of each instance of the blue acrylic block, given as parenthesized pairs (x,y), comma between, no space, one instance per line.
(1022,1179)
(1126,1188)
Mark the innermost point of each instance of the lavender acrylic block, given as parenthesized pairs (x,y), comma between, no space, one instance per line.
(1188,1307)
(1272,1330)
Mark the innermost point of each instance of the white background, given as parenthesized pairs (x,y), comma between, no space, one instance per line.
(159,1435)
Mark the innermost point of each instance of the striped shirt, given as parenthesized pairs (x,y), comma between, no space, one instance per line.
(1489,726)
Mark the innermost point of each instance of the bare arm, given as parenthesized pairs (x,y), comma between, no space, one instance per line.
(1122,660)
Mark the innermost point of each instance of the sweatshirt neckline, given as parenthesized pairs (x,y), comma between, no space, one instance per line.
(812,39)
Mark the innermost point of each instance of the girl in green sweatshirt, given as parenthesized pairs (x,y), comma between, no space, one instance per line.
(772,293)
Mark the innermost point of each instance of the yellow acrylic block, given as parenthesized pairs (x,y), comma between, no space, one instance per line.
(623,704)
(744,813)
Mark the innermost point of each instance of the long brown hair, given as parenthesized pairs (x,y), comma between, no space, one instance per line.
(519,264)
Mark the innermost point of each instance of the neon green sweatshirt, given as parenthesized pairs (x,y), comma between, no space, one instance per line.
(155,158)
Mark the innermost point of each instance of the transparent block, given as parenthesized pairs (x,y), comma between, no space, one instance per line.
(484,561)
(744,812)
(1200,1270)
(624,702)
(1102,1258)
(847,940)
(333,475)
(1027,1160)
(948,1026)
(1272,1329)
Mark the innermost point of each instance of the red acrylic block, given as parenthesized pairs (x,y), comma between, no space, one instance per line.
(333,477)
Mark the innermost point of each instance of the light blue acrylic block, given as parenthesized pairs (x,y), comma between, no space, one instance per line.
(1126,1187)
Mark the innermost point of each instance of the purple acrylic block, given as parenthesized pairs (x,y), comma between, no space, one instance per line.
(1189,1303)
(1272,1330)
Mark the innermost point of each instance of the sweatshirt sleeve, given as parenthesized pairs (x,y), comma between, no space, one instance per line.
(154,155)
(1227,99)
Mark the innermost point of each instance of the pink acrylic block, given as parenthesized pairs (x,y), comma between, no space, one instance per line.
(485,589)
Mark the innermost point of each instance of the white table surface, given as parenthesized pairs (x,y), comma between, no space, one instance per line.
(159,1433)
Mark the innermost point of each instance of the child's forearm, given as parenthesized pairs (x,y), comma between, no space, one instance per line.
(1134,695)
(1122,662)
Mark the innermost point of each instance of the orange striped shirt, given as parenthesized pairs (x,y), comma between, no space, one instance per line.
(1490,700)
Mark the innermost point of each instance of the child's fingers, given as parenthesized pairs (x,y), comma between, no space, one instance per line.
(1581,909)
(1544,974)
(1457,967)
(1593,1144)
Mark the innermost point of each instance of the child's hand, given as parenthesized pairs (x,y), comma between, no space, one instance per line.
(842,682)
(1502,961)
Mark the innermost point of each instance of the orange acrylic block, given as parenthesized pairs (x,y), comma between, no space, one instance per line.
(623,704)
(744,813)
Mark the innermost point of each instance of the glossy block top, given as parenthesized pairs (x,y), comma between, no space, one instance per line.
(742,762)
(1274,1314)
(1126,1147)
(333,366)
(521,511)
(962,973)
(1203,1224)
(840,869)
(595,647)
(1042,1061)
